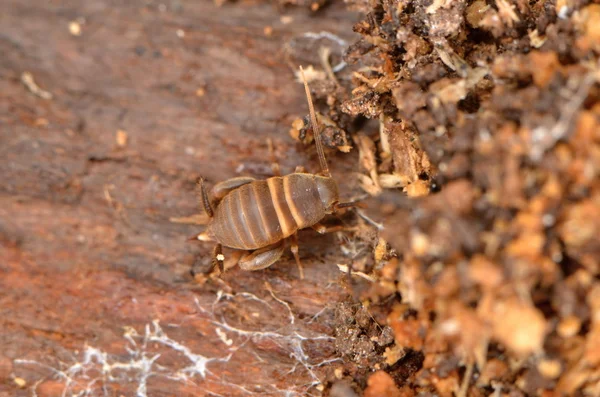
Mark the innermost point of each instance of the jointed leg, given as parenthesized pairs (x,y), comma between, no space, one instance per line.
(294,249)
(221,189)
(204,236)
(262,258)
(196,219)
(349,204)
(226,260)
(355,202)
(322,229)
(218,258)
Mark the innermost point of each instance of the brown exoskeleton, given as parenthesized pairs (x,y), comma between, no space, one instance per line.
(259,215)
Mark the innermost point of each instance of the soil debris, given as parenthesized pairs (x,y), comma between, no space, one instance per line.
(486,166)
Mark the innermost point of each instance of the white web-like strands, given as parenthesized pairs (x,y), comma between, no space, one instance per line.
(292,341)
(94,372)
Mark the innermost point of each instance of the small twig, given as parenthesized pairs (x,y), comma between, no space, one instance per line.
(29,82)
(115,205)
(346,269)
(107,195)
(383,137)
(372,83)
(464,387)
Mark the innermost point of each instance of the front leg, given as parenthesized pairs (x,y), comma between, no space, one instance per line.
(322,229)
(262,258)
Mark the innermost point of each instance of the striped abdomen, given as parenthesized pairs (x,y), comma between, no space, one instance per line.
(261,213)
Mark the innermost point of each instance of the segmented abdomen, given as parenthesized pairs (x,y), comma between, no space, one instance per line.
(261,213)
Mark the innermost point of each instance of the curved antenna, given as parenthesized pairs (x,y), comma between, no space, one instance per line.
(315,126)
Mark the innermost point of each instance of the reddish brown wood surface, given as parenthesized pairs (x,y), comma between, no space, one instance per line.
(95,290)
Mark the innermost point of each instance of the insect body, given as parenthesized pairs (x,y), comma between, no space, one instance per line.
(258,216)
(261,213)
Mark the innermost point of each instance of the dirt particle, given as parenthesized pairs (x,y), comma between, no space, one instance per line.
(381,384)
(122,138)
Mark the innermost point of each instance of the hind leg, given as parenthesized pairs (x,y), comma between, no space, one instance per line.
(221,189)
(262,258)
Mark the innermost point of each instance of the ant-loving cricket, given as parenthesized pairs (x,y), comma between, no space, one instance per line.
(258,216)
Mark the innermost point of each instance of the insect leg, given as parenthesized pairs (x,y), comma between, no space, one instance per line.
(322,229)
(262,258)
(300,169)
(294,249)
(204,236)
(274,164)
(225,260)
(196,219)
(218,258)
(349,204)
(221,189)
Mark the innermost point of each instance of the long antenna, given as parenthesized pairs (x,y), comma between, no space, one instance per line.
(315,126)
